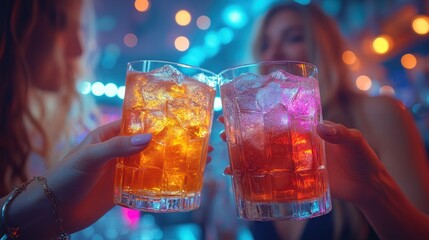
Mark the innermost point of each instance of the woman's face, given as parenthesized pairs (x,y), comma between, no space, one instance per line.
(283,38)
(55,47)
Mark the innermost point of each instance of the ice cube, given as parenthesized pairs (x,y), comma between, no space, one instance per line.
(247,102)
(167,73)
(247,81)
(305,103)
(281,75)
(269,96)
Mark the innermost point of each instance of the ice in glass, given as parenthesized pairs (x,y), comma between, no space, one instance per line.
(174,102)
(271,112)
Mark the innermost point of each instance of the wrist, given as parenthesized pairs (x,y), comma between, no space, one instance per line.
(34,212)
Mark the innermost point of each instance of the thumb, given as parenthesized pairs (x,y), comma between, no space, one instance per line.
(94,156)
(349,139)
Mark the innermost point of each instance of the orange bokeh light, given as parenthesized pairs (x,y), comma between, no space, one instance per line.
(141,5)
(363,83)
(183,17)
(181,43)
(409,61)
(349,57)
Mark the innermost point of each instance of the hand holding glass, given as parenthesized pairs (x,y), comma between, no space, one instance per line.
(277,160)
(174,102)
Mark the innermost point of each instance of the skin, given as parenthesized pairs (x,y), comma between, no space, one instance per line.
(362,180)
(82,183)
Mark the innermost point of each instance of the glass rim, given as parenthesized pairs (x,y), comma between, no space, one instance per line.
(268,63)
(172,63)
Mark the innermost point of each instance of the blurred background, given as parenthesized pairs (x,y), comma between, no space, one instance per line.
(388,54)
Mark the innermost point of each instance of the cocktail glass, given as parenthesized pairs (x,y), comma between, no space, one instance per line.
(271,111)
(173,102)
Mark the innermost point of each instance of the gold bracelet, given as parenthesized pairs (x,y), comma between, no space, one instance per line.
(55,207)
(12,232)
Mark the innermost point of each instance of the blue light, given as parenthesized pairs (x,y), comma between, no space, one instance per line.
(234,16)
(259,7)
(84,87)
(110,90)
(303,2)
(226,35)
(332,7)
(121,92)
(195,56)
(217,104)
(110,56)
(97,89)
(211,39)
(106,23)
(211,44)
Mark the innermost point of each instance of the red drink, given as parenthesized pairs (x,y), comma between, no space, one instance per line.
(276,156)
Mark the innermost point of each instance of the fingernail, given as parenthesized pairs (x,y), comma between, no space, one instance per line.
(329,128)
(141,139)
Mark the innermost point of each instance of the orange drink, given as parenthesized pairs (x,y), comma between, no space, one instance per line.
(174,102)
(271,112)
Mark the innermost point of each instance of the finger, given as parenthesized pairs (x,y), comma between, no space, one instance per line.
(211,148)
(227,171)
(103,133)
(221,119)
(351,139)
(223,135)
(208,160)
(96,155)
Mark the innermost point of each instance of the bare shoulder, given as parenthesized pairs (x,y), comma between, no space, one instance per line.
(384,121)
(382,106)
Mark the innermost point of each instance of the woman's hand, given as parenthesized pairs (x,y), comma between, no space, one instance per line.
(351,178)
(83,180)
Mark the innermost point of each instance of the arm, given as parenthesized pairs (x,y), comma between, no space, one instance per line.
(399,146)
(82,183)
(362,179)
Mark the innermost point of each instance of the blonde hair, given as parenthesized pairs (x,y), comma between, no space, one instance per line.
(24,110)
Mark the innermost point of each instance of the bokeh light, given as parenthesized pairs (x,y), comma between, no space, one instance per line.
(212,43)
(130,40)
(121,92)
(141,5)
(84,87)
(303,2)
(349,57)
(181,43)
(420,25)
(183,17)
(408,61)
(106,23)
(234,16)
(110,90)
(226,35)
(97,89)
(363,83)
(110,56)
(387,91)
(217,104)
(203,22)
(194,56)
(381,44)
